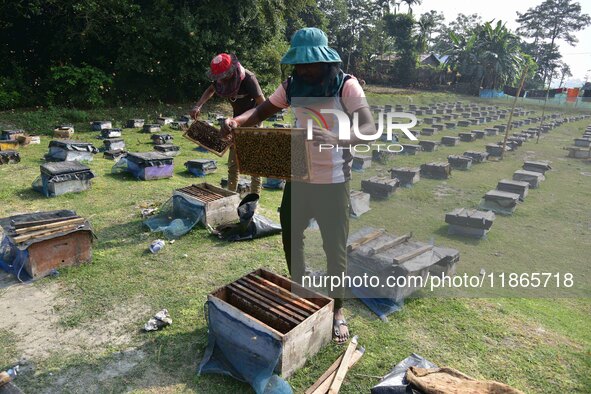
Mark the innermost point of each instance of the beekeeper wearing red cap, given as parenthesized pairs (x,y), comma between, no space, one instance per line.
(240,86)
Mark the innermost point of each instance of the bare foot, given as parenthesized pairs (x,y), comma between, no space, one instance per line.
(340,329)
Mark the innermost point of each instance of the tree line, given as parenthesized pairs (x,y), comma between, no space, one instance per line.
(85,53)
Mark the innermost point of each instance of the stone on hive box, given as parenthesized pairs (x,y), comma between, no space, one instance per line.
(477,157)
(450,140)
(459,162)
(151,128)
(429,146)
(499,202)
(436,170)
(469,222)
(380,187)
(537,166)
(411,149)
(533,178)
(467,137)
(511,186)
(359,203)
(361,162)
(201,167)
(134,123)
(406,175)
(99,125)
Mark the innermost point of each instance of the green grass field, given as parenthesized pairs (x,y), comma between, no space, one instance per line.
(90,317)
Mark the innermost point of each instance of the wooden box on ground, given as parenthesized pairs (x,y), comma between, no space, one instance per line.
(134,123)
(533,178)
(273,152)
(459,162)
(385,254)
(519,187)
(576,152)
(467,137)
(298,318)
(68,150)
(436,170)
(201,167)
(406,175)
(380,187)
(63,177)
(469,222)
(169,150)
(494,150)
(9,157)
(114,154)
(242,187)
(359,203)
(149,165)
(450,140)
(114,144)
(49,240)
(429,146)
(537,166)
(411,149)
(477,157)
(500,202)
(9,145)
(219,204)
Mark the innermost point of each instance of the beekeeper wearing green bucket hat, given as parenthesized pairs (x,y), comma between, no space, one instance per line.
(324,195)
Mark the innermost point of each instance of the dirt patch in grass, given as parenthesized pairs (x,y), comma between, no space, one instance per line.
(30,314)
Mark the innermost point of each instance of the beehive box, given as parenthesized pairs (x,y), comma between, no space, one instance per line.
(361,162)
(151,128)
(12,135)
(467,137)
(114,144)
(491,131)
(459,162)
(469,222)
(477,157)
(436,170)
(242,187)
(219,204)
(68,150)
(9,157)
(63,131)
(494,150)
(169,150)
(275,153)
(537,166)
(149,165)
(114,154)
(576,152)
(533,178)
(511,186)
(406,175)
(111,133)
(300,319)
(164,120)
(9,145)
(134,123)
(429,146)
(161,139)
(500,202)
(63,177)
(427,131)
(479,134)
(583,142)
(380,187)
(100,125)
(201,167)
(207,136)
(49,240)
(450,141)
(411,149)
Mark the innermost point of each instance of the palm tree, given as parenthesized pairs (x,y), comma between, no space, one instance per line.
(410,3)
(426,24)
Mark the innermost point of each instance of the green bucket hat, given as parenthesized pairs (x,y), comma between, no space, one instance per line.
(310,45)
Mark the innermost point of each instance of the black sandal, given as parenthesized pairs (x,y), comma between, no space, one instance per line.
(336,332)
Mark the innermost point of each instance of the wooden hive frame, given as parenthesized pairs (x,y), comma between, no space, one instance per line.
(209,129)
(259,131)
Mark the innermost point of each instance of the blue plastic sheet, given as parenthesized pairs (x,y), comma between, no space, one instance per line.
(242,352)
(12,260)
(380,306)
(175,218)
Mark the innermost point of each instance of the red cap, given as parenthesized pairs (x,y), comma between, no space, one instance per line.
(220,64)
